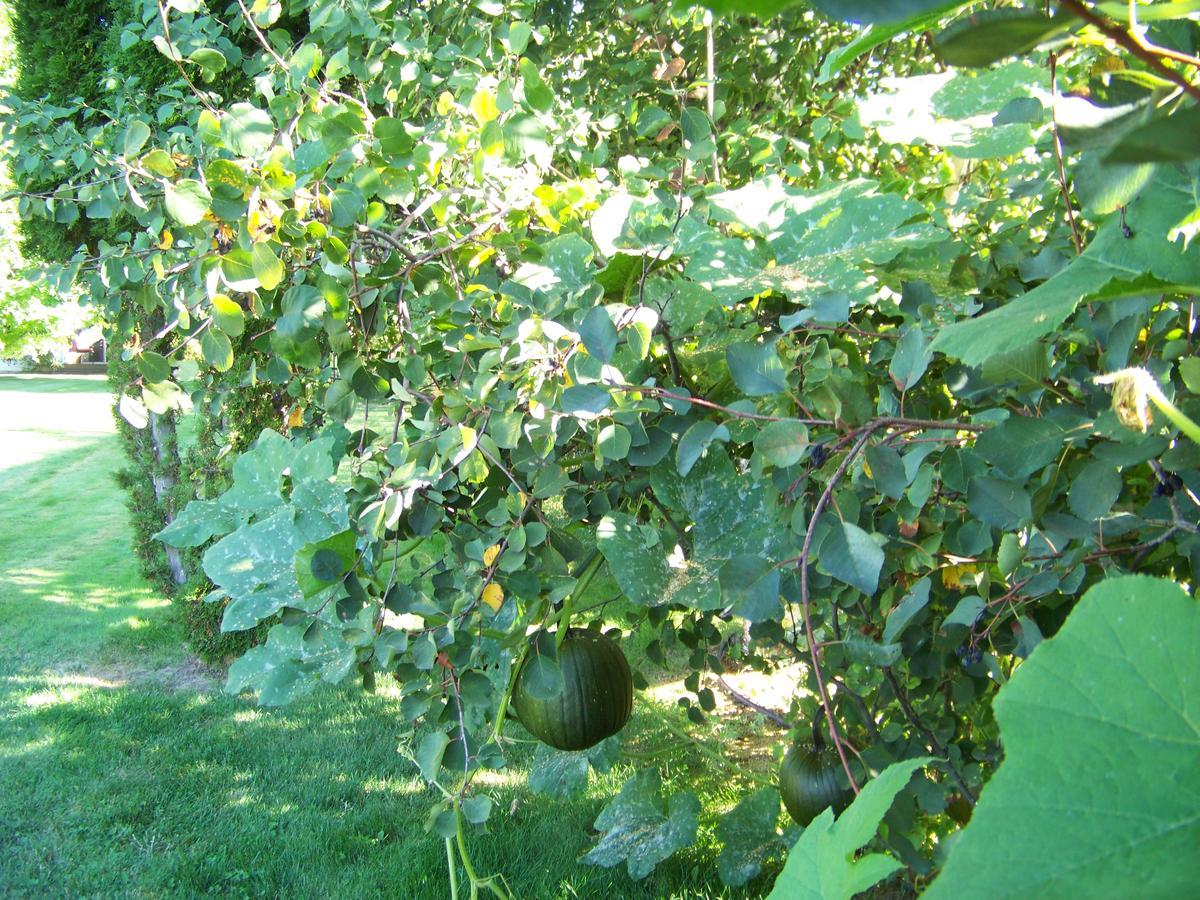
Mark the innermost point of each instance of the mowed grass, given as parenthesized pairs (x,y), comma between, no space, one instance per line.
(125,771)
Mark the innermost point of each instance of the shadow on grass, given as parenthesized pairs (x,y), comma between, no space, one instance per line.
(137,791)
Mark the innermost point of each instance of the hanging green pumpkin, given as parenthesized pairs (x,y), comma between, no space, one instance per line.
(596,699)
(808,780)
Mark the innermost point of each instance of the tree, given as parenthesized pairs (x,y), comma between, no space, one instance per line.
(550,296)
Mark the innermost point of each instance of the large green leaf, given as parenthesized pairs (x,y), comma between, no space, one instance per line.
(956,110)
(187,200)
(872,11)
(1101,729)
(1112,266)
(822,239)
(823,866)
(988,36)
(641,829)
(635,557)
(749,834)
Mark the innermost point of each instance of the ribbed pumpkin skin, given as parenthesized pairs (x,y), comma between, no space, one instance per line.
(596,699)
(808,783)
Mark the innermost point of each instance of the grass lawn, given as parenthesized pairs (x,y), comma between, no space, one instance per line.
(125,771)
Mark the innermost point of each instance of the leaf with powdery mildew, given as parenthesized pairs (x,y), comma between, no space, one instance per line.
(750,835)
(1101,730)
(641,829)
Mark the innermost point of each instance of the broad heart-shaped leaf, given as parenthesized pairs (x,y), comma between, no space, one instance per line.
(1111,267)
(956,110)
(197,523)
(822,865)
(822,239)
(558,773)
(641,829)
(1101,730)
(564,774)
(749,835)
(635,557)
(851,555)
(254,565)
(187,200)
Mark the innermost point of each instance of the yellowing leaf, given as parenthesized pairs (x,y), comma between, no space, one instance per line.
(493,597)
(296,417)
(490,554)
(483,106)
(445,103)
(955,577)
(167,240)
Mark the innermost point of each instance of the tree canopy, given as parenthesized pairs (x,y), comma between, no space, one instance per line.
(868,346)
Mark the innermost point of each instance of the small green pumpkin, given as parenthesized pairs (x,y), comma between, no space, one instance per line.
(596,699)
(808,783)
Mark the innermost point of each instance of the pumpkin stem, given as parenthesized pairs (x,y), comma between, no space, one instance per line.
(817,739)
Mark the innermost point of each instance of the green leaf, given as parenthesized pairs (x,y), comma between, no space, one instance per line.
(823,863)
(476,810)
(162,397)
(247,130)
(1095,490)
(613,441)
(1100,736)
(695,441)
(159,162)
(914,601)
(756,368)
(989,36)
(136,136)
(267,267)
(187,200)
(911,360)
(1021,445)
(642,830)
(429,754)
(749,836)
(635,558)
(228,315)
(198,523)
(154,366)
(518,37)
(217,350)
(211,61)
(321,564)
(1173,138)
(869,12)
(782,444)
(999,502)
(393,136)
(861,649)
(542,678)
(851,555)
(558,773)
(887,470)
(598,334)
(585,400)
(1111,267)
